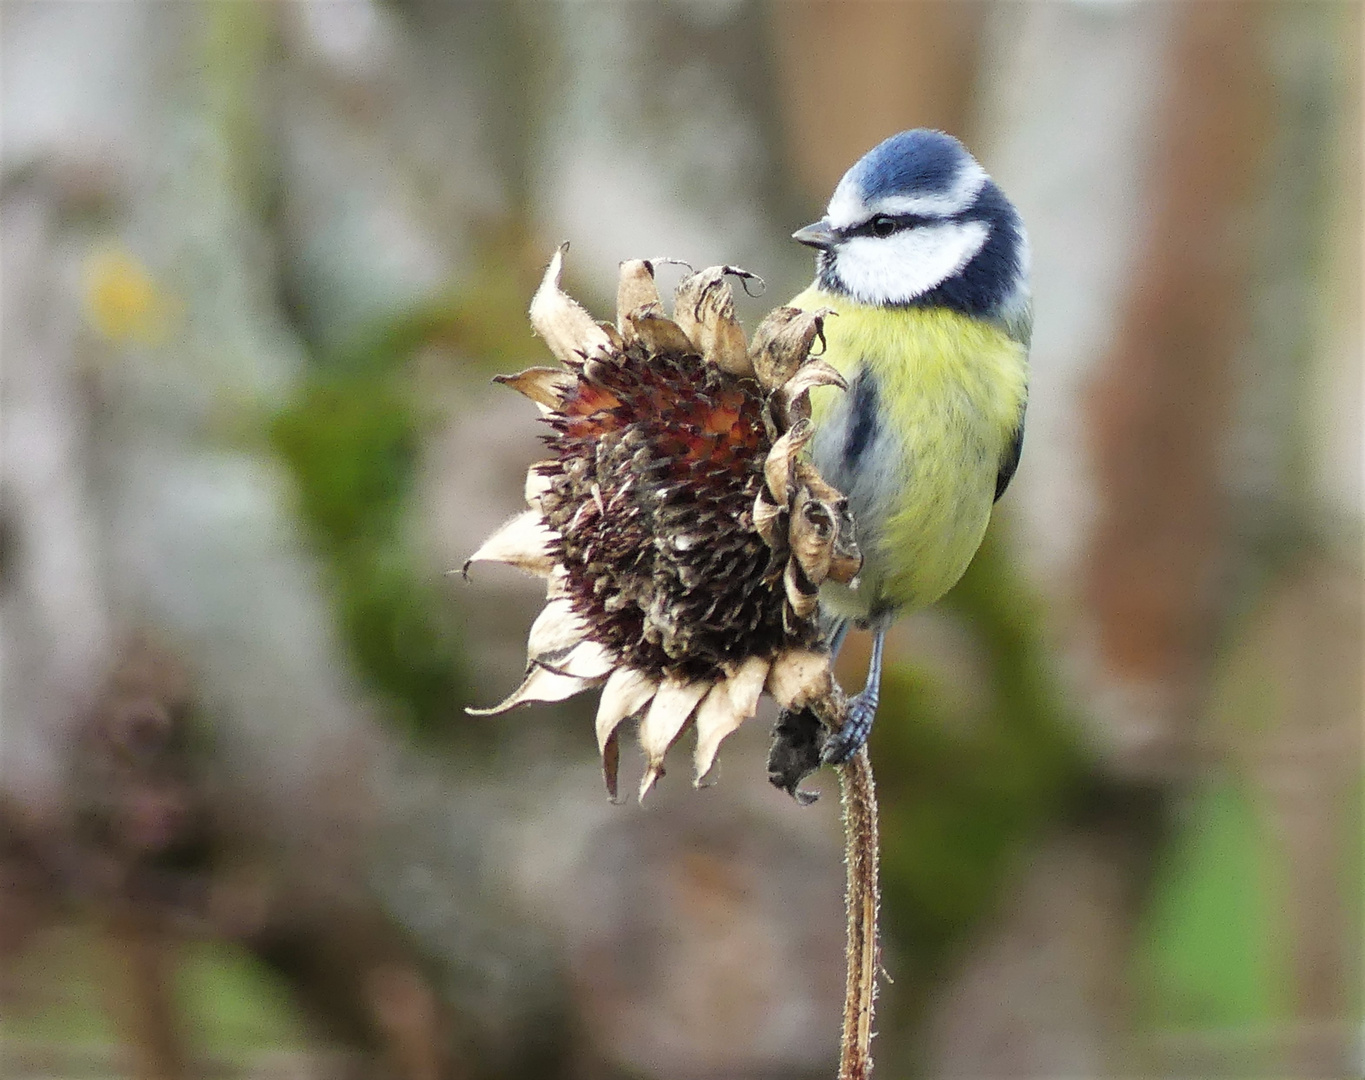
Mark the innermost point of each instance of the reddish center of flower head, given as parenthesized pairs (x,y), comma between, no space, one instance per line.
(695,415)
(658,462)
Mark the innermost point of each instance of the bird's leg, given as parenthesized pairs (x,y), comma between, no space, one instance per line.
(836,638)
(862,708)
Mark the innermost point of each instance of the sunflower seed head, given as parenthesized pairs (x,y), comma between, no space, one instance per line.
(683,533)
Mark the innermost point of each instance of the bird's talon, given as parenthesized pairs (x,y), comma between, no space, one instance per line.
(849,739)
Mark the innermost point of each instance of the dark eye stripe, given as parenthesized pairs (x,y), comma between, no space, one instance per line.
(900,222)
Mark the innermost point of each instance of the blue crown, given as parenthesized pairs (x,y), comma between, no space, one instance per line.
(921,161)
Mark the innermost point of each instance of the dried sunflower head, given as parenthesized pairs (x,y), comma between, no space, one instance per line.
(683,534)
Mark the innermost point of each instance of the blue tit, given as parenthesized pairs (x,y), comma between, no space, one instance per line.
(925,263)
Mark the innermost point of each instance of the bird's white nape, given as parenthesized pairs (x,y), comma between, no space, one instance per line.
(895,269)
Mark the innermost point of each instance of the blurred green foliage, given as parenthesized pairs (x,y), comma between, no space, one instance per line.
(960,792)
(230,1003)
(352,437)
(966,783)
(483,318)
(1206,955)
(233,1003)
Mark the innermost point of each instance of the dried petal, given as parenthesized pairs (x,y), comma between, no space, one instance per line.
(626,693)
(726,706)
(586,660)
(525,542)
(659,334)
(557,584)
(538,482)
(668,714)
(568,330)
(845,558)
(692,292)
(780,464)
(809,476)
(543,385)
(611,764)
(802,595)
(634,290)
(813,530)
(557,627)
(799,677)
(543,685)
(728,350)
(793,399)
(766,517)
(846,562)
(704,307)
(782,342)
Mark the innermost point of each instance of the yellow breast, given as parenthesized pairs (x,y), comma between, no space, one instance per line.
(916,443)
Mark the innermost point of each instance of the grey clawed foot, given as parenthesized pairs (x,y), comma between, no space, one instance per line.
(849,739)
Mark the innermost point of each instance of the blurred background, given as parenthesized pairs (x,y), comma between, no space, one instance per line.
(259,263)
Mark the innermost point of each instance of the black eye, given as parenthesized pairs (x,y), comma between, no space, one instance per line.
(883,225)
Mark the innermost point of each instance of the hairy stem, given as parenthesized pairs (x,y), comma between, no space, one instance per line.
(859,800)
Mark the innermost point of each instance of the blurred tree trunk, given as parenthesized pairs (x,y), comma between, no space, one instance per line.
(1136,539)
(1046,990)
(1162,404)
(849,75)
(1174,551)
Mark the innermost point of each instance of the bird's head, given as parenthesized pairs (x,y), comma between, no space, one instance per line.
(918,221)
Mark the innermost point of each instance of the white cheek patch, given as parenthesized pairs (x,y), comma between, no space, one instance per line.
(894,269)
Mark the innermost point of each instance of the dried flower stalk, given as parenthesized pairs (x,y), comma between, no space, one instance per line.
(862,898)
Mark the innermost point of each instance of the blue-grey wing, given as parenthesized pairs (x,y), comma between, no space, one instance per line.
(1010,462)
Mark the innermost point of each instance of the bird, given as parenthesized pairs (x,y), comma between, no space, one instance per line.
(923,263)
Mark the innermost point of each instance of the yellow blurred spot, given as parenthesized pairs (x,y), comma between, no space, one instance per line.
(123,301)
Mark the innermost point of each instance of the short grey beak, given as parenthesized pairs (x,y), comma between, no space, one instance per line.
(819,235)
